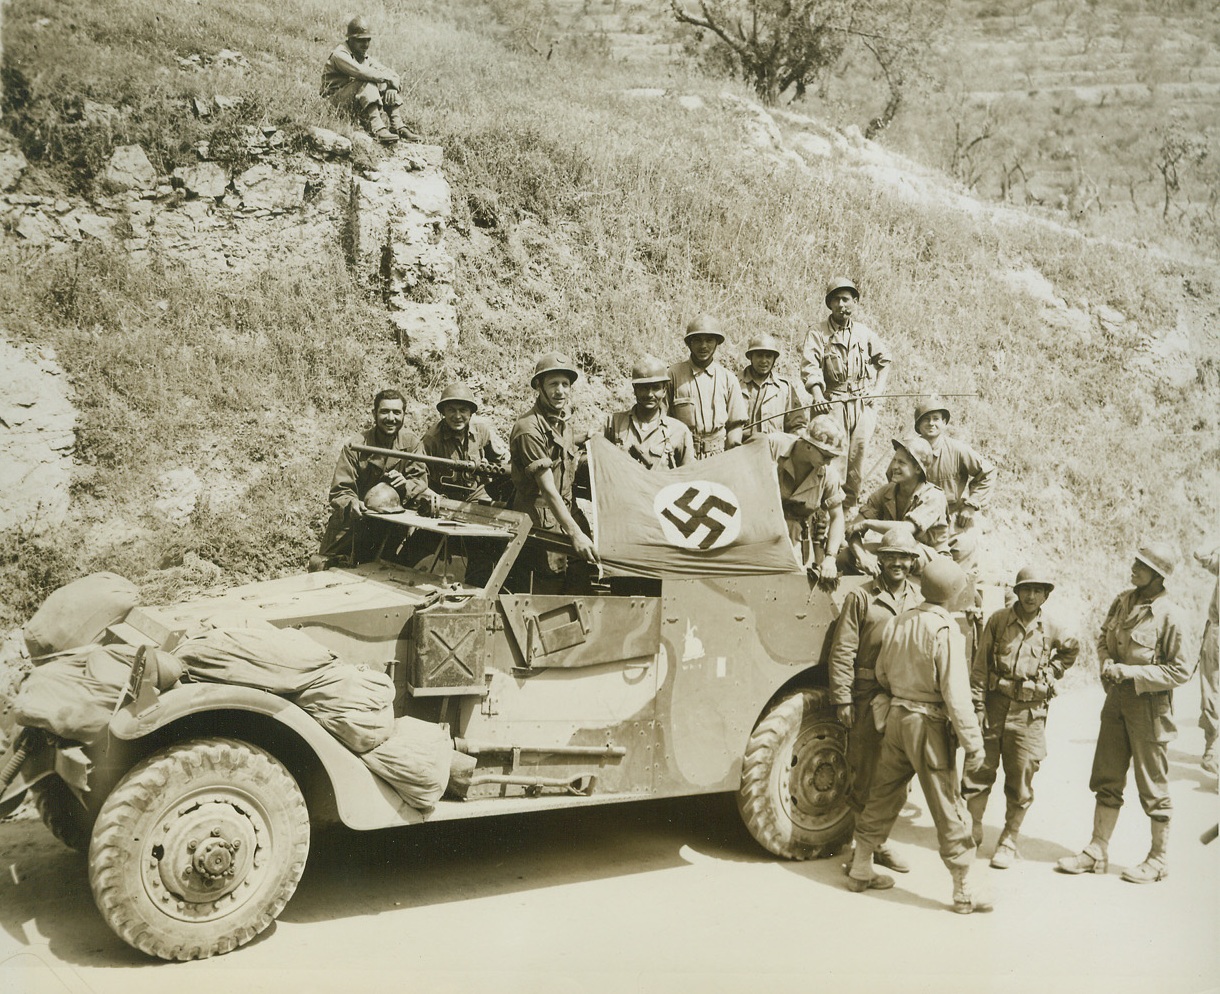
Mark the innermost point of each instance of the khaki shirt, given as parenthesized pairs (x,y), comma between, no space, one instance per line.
(662,443)
(356,473)
(1010,648)
(816,490)
(713,393)
(1145,635)
(342,67)
(771,397)
(857,637)
(478,443)
(841,360)
(964,475)
(540,440)
(922,664)
(927,511)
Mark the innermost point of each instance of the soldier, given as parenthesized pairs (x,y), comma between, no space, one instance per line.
(811,494)
(909,501)
(842,359)
(774,402)
(461,436)
(544,456)
(965,477)
(703,394)
(646,432)
(853,657)
(1021,654)
(1210,561)
(1140,651)
(356,473)
(922,665)
(353,81)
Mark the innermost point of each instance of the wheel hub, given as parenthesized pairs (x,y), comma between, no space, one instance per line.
(816,777)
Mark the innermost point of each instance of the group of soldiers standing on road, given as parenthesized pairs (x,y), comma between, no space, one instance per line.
(899,675)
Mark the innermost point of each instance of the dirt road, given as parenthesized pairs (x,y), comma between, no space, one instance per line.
(674,896)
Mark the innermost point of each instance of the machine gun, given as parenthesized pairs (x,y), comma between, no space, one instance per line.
(847,400)
(498,476)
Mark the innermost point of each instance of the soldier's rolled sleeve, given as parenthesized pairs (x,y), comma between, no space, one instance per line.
(1065,648)
(954,682)
(931,509)
(844,646)
(1172,670)
(981,474)
(531,452)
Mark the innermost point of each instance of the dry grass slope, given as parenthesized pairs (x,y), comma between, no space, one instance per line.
(596,225)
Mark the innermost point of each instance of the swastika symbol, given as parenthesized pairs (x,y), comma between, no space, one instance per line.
(698,515)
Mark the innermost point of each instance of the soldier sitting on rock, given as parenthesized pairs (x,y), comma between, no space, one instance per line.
(354,82)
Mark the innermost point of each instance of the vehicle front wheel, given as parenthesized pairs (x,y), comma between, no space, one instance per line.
(793,795)
(198,849)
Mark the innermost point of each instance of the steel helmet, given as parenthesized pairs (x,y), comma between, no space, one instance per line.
(1158,556)
(927,407)
(1032,576)
(840,283)
(358,27)
(942,580)
(649,369)
(826,435)
(553,362)
(900,541)
(763,343)
(382,499)
(457,391)
(918,449)
(704,324)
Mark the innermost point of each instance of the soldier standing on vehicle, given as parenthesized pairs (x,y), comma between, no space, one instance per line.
(922,665)
(1140,651)
(356,473)
(645,432)
(963,474)
(461,436)
(1208,653)
(704,395)
(1019,658)
(811,494)
(855,642)
(843,359)
(544,457)
(355,82)
(774,402)
(908,501)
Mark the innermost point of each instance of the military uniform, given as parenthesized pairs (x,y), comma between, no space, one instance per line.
(1012,680)
(769,398)
(1137,717)
(479,442)
(541,440)
(922,664)
(712,396)
(818,492)
(926,510)
(355,474)
(843,363)
(662,443)
(853,657)
(966,478)
(1208,666)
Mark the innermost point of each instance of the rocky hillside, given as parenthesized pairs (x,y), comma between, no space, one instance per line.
(597,203)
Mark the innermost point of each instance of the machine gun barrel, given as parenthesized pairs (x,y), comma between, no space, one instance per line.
(481,468)
(849,400)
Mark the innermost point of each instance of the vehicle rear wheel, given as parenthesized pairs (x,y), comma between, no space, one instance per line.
(198,849)
(62,813)
(793,795)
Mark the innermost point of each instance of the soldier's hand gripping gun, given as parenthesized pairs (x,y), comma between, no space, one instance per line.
(492,472)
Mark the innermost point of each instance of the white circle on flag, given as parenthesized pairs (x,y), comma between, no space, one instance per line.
(698,514)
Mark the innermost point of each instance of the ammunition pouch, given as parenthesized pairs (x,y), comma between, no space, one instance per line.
(1024,691)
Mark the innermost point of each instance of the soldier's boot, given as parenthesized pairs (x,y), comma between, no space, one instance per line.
(861,876)
(883,855)
(1208,762)
(976,804)
(1095,857)
(374,124)
(400,128)
(1006,850)
(1156,864)
(965,900)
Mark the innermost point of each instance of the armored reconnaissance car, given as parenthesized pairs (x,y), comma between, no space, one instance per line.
(195,805)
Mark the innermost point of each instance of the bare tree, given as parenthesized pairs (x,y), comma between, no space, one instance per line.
(1179,147)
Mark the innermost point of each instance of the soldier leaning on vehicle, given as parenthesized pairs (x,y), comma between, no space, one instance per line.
(1140,651)
(1021,655)
(855,643)
(703,394)
(774,402)
(645,432)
